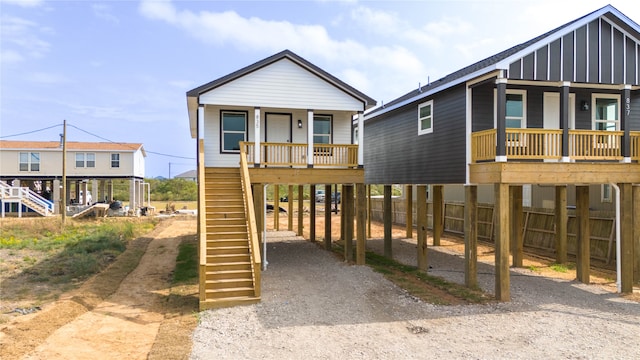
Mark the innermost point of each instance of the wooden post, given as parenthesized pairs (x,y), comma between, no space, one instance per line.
(300,210)
(561,224)
(636,234)
(312,213)
(408,197)
(258,205)
(347,209)
(276,207)
(421,222)
(502,242)
(387,221)
(517,246)
(471,236)
(368,211)
(438,216)
(361,222)
(626,238)
(327,217)
(290,208)
(583,239)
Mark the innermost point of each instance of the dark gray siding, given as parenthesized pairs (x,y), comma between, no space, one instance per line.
(482,107)
(567,57)
(634,123)
(395,154)
(594,52)
(581,55)
(541,66)
(631,58)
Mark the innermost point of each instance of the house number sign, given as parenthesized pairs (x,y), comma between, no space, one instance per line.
(627,106)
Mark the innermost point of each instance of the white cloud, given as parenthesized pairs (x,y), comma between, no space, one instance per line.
(21,34)
(23,3)
(103,11)
(47,78)
(376,21)
(10,56)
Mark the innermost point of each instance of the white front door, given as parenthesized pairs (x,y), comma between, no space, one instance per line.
(551,107)
(278,128)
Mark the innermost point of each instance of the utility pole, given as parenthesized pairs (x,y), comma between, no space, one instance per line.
(63,206)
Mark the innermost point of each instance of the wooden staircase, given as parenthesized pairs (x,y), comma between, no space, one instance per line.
(228,278)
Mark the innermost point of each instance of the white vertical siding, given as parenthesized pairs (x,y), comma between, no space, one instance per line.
(283,84)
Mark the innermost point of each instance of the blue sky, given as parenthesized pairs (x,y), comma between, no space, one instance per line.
(119,70)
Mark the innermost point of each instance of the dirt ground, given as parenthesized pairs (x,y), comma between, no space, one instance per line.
(140,315)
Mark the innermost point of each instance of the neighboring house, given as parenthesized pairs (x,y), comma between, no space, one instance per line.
(281,120)
(191,175)
(562,109)
(90,169)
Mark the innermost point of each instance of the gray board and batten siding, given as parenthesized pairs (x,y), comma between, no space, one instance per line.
(396,154)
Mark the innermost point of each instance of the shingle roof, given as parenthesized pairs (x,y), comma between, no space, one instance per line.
(71,145)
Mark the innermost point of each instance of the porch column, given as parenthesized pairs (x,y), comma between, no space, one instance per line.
(347,208)
(471,236)
(259,205)
(438,214)
(564,120)
(310,138)
(300,210)
(583,239)
(132,194)
(625,116)
(408,198)
(502,242)
(276,207)
(327,217)
(290,208)
(312,212)
(501,122)
(361,223)
(517,250)
(421,222)
(386,216)
(561,224)
(256,136)
(626,238)
(360,139)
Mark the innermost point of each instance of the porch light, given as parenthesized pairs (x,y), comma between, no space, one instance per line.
(584,106)
(299,124)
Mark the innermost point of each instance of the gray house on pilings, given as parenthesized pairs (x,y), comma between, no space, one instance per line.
(562,109)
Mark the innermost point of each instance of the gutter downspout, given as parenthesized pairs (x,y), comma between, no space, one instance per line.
(264,229)
(618,250)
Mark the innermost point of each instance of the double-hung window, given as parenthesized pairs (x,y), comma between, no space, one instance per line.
(85,160)
(234,130)
(322,133)
(29,161)
(425,118)
(606,117)
(115,160)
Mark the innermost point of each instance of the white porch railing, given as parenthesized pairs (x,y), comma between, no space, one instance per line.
(24,196)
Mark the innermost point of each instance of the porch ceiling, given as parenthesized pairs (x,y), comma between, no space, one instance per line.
(306,176)
(551,173)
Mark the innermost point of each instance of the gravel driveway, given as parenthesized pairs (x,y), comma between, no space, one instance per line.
(316,306)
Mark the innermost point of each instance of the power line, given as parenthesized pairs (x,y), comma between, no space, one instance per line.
(30,132)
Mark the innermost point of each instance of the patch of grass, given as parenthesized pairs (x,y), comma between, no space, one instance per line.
(562,268)
(186,264)
(534,268)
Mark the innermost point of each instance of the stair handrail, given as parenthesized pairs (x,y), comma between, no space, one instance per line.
(251,223)
(17,192)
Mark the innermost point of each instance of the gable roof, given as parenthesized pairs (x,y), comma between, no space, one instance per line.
(192,95)
(71,145)
(501,61)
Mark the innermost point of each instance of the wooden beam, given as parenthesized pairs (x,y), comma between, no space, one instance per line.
(259,206)
(276,207)
(636,234)
(438,216)
(421,222)
(387,220)
(626,238)
(471,236)
(361,222)
(368,211)
(517,249)
(300,210)
(312,213)
(290,208)
(294,176)
(347,207)
(561,217)
(502,242)
(327,217)
(408,195)
(583,240)
(554,173)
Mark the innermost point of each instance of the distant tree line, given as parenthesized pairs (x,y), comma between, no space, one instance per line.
(161,189)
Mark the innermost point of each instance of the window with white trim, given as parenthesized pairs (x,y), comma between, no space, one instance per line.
(115,160)
(234,130)
(29,161)
(606,112)
(87,160)
(605,193)
(322,129)
(425,118)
